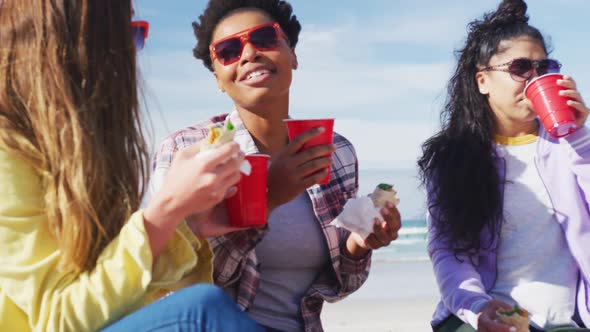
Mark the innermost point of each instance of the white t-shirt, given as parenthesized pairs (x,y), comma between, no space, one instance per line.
(535,267)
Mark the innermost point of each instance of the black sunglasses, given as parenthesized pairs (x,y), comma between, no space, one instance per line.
(523,69)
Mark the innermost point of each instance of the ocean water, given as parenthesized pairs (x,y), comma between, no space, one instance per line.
(409,246)
(411,242)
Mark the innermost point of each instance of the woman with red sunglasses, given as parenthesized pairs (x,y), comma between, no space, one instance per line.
(76,251)
(508,205)
(280,274)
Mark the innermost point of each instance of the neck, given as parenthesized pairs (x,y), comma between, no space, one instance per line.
(513,129)
(266,126)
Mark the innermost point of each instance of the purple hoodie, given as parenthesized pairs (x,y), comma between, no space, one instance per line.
(564,167)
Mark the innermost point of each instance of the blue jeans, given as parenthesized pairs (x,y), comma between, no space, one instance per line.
(197,308)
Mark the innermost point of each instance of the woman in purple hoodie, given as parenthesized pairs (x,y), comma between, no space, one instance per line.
(508,209)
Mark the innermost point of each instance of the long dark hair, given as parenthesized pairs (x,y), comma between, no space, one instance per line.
(458,163)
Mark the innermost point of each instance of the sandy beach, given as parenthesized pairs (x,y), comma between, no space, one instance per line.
(397,297)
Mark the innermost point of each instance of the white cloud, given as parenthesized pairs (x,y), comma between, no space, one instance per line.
(387,144)
(350,86)
(434,31)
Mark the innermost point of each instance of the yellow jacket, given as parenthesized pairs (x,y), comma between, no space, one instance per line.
(36,296)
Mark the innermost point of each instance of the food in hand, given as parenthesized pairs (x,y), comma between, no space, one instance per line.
(382,194)
(221,135)
(218,136)
(517,317)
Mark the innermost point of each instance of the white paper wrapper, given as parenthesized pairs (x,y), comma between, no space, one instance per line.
(358,216)
(246,168)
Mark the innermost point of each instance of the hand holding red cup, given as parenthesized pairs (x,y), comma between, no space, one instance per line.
(557,103)
(575,99)
(247,208)
(298,127)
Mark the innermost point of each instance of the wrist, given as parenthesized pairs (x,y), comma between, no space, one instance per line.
(161,211)
(353,250)
(160,221)
(270,206)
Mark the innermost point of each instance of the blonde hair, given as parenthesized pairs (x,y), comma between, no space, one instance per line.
(69,106)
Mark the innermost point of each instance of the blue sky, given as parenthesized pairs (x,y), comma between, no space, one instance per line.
(378,66)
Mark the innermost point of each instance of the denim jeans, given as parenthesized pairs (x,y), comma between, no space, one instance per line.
(197,308)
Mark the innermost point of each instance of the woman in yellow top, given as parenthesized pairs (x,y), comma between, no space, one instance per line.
(74,254)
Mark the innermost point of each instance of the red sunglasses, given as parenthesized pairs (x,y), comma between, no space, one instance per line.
(140,31)
(265,37)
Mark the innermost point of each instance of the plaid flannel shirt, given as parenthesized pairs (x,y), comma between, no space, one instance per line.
(235,262)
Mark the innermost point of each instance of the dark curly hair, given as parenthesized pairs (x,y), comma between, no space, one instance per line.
(280,11)
(458,163)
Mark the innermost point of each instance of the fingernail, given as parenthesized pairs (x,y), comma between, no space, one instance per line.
(321,129)
(512,329)
(231,191)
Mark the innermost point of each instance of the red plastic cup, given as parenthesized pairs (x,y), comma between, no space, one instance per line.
(247,208)
(298,127)
(556,115)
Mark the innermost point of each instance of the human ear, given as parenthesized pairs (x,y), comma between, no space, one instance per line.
(482,83)
(219,85)
(294,62)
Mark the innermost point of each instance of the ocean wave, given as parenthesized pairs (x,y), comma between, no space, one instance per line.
(401,259)
(413,231)
(407,242)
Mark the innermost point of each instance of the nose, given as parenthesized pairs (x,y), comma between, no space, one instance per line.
(249,53)
(535,73)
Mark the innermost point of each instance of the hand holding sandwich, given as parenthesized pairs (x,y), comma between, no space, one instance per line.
(490,320)
(384,232)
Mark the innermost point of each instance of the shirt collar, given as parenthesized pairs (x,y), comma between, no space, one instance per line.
(242,136)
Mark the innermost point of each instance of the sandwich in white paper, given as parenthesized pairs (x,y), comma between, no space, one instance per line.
(384,193)
(219,136)
(359,214)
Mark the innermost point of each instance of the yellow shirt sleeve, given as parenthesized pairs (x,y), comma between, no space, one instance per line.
(36,295)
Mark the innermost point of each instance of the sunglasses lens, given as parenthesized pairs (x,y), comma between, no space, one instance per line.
(264,38)
(228,50)
(522,68)
(548,66)
(138,36)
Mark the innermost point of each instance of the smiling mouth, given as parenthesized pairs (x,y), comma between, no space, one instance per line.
(258,73)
